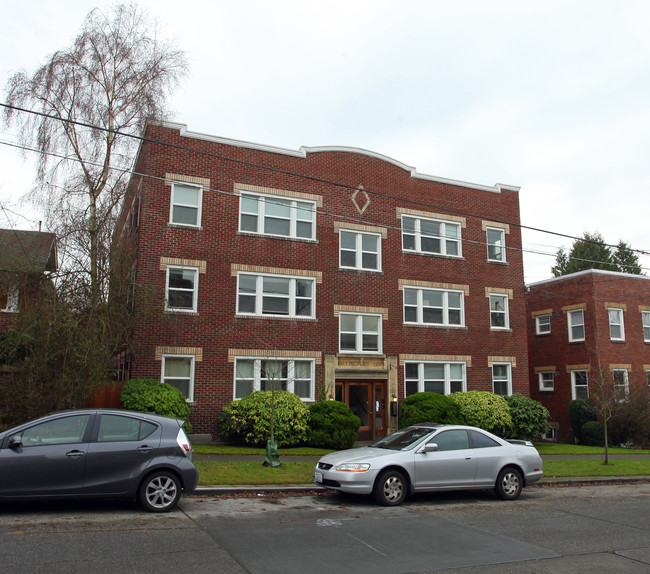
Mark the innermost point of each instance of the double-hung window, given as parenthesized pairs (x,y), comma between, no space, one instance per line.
(434,236)
(275,295)
(186,204)
(433,307)
(496,244)
(178,371)
(293,375)
(434,377)
(499,316)
(576,325)
(279,216)
(360,250)
(543,324)
(579,385)
(502,379)
(360,333)
(546,381)
(645,318)
(621,385)
(182,288)
(616,327)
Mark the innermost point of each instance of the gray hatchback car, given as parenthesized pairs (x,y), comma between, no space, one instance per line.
(429,457)
(98,453)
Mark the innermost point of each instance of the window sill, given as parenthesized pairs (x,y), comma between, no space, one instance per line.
(276,317)
(181,312)
(500,329)
(280,237)
(363,271)
(437,255)
(182,226)
(498,262)
(436,326)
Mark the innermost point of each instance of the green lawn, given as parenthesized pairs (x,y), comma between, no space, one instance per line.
(558,448)
(234,473)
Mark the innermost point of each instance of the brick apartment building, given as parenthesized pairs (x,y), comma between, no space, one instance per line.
(335,272)
(580,321)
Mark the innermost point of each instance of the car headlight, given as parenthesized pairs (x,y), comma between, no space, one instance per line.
(353,467)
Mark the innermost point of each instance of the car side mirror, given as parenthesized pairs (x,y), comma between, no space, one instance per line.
(430,447)
(15,442)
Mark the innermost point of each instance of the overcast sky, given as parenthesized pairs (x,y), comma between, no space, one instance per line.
(551,96)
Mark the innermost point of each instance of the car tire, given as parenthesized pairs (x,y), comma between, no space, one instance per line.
(160,491)
(509,484)
(390,488)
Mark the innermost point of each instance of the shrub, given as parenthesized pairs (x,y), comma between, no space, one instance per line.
(581,411)
(484,410)
(429,407)
(332,425)
(150,395)
(593,433)
(529,417)
(249,420)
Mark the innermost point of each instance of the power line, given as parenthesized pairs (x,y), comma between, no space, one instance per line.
(143,139)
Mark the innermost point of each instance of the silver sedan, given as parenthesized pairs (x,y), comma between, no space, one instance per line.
(428,457)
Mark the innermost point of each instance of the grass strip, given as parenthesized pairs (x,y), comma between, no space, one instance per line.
(559,448)
(595,467)
(247,450)
(238,473)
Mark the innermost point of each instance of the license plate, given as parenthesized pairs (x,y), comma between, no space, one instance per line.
(318,477)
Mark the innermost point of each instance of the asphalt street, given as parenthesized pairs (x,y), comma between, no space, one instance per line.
(550,529)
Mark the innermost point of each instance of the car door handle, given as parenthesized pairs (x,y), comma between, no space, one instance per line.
(144,449)
(75,453)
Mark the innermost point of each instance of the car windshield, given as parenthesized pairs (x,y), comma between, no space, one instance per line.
(404,439)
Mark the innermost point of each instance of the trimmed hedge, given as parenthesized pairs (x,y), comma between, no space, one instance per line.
(529,417)
(150,395)
(484,410)
(429,407)
(332,425)
(581,411)
(248,420)
(593,433)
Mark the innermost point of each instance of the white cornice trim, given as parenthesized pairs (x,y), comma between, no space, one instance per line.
(303,151)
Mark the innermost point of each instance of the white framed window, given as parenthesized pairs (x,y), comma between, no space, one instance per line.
(576,324)
(13,297)
(433,307)
(621,383)
(579,385)
(182,288)
(178,371)
(543,324)
(647,377)
(422,235)
(279,216)
(496,244)
(499,314)
(546,381)
(360,250)
(276,295)
(186,204)
(645,319)
(264,374)
(616,327)
(502,379)
(360,333)
(435,377)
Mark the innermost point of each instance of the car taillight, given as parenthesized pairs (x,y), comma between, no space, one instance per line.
(185,444)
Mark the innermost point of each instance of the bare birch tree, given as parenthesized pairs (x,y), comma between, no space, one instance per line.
(78,111)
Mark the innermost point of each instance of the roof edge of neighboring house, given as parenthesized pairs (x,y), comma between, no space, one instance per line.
(587,272)
(303,151)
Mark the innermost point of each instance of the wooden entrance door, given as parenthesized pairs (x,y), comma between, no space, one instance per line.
(367,400)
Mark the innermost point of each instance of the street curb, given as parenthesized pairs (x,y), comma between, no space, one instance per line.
(306,488)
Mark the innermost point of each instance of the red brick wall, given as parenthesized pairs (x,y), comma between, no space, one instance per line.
(216,328)
(594,289)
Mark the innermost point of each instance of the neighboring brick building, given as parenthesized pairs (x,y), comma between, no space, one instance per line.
(579,321)
(341,272)
(25,259)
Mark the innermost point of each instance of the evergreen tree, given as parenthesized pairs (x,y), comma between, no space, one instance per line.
(626,259)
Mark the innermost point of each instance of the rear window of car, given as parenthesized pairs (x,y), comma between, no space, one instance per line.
(114,428)
(479,440)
